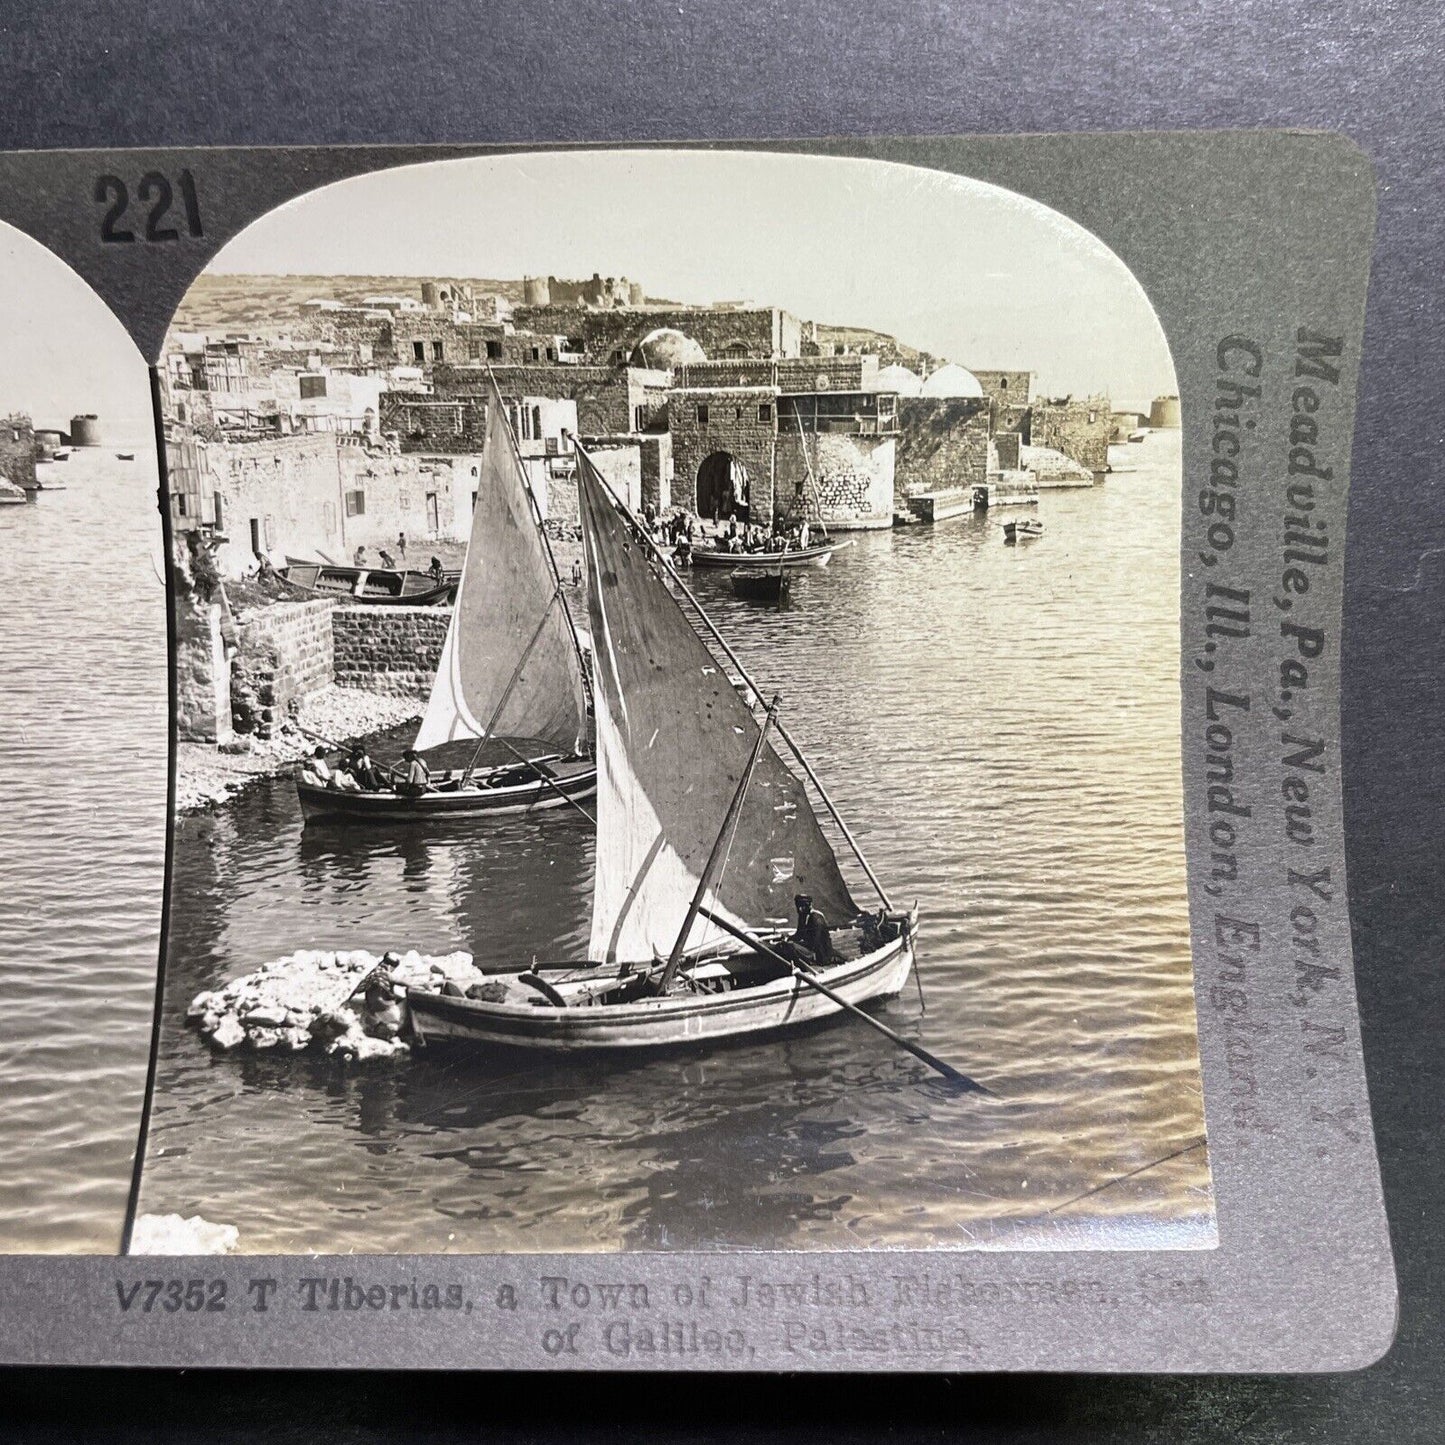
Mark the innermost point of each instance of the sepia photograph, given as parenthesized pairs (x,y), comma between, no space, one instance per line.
(676,696)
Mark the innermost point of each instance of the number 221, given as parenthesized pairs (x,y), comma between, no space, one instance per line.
(155,190)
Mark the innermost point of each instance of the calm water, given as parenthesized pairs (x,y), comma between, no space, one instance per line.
(83,778)
(1000,724)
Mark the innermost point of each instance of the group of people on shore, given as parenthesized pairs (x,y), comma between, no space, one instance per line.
(387,560)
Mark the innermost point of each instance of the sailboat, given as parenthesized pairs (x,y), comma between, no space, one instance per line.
(707,845)
(511,668)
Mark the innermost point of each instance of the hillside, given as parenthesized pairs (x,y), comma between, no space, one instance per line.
(233,302)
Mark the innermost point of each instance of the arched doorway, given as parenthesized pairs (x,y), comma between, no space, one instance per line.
(722,487)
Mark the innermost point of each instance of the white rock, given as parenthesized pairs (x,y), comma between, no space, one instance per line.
(170,1234)
(228,1033)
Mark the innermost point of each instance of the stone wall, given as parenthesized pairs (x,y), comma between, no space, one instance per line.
(18,450)
(284,653)
(426,423)
(611,335)
(657,471)
(942,444)
(203,697)
(853,372)
(389,649)
(846,480)
(1078,428)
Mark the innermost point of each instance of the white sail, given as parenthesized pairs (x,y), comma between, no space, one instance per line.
(509,638)
(673,743)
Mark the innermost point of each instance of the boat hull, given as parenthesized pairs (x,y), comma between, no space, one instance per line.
(785,1003)
(758,586)
(803,557)
(530,797)
(369,586)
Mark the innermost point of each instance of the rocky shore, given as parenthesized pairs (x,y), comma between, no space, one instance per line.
(207,775)
(340,1003)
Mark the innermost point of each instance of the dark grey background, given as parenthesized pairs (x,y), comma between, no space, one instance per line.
(173,73)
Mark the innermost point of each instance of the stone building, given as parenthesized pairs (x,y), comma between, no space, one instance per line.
(943,444)
(609,399)
(760,453)
(323,494)
(1078,427)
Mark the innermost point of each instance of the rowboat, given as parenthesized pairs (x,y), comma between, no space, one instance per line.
(1015,531)
(375,586)
(538,784)
(818,556)
(706,843)
(511,667)
(754,584)
(125,456)
(743,993)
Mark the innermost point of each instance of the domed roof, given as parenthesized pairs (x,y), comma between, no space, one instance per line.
(666,350)
(951,381)
(897,378)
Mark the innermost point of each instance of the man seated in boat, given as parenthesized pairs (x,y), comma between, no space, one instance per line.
(344,780)
(812,942)
(418,775)
(364,770)
(359,557)
(436,571)
(314,770)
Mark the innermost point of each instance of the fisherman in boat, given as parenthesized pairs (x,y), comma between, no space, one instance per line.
(344,780)
(387,560)
(314,770)
(436,571)
(364,770)
(812,943)
(359,557)
(418,775)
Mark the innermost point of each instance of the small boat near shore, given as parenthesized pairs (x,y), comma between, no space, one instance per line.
(1017,531)
(13,496)
(532,786)
(374,586)
(511,668)
(756,584)
(817,556)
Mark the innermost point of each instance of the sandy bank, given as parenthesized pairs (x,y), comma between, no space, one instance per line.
(207,775)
